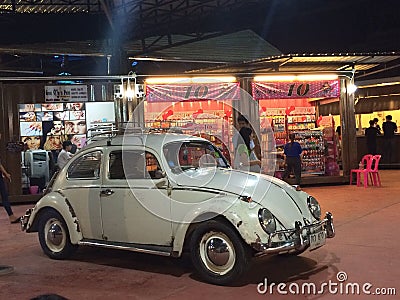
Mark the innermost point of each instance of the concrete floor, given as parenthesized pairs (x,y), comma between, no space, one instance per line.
(365,248)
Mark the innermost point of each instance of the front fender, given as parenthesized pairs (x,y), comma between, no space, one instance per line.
(242,215)
(56,201)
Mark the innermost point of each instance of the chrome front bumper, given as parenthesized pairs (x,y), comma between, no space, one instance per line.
(295,239)
(25,219)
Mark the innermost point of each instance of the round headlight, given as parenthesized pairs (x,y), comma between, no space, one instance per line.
(314,207)
(267,220)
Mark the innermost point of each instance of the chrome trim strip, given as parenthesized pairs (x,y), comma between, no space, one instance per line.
(124,247)
(204,190)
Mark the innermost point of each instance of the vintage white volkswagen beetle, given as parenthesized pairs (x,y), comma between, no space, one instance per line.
(166,193)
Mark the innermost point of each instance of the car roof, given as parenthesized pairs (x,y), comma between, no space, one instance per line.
(153,140)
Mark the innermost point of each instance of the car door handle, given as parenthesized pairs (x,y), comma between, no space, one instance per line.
(106,192)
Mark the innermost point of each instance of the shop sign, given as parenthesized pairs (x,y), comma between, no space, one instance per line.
(66,93)
(192,92)
(290,90)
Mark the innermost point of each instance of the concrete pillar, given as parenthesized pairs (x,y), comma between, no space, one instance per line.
(348,126)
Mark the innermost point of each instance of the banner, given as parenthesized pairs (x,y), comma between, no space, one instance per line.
(66,93)
(192,92)
(287,90)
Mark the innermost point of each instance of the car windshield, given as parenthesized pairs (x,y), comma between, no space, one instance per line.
(182,156)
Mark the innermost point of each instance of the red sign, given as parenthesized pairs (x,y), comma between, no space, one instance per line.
(286,90)
(192,91)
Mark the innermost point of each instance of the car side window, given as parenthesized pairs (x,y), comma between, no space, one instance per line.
(133,164)
(183,156)
(86,167)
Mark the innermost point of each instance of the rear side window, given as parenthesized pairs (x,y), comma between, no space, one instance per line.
(86,167)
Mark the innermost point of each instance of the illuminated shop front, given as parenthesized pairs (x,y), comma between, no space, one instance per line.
(200,106)
(378,99)
(289,104)
(43,117)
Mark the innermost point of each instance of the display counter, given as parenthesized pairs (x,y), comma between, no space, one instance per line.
(384,163)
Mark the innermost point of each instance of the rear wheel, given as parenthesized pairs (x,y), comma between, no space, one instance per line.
(54,236)
(218,253)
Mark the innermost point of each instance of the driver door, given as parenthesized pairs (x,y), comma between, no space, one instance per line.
(135,205)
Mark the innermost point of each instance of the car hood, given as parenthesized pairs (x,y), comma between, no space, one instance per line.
(287,204)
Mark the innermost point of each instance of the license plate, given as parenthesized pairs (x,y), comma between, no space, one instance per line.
(317,239)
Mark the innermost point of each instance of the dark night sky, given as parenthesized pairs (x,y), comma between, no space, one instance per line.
(290,25)
(293,26)
(296,26)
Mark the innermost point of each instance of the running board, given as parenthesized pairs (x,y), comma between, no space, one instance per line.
(151,249)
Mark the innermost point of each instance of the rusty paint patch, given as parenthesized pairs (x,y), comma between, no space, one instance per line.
(71,210)
(77,225)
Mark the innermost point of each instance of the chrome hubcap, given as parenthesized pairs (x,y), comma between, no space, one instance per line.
(55,235)
(217,252)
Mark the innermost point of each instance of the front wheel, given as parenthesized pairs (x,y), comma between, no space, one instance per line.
(54,236)
(218,253)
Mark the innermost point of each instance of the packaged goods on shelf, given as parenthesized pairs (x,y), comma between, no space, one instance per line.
(313,158)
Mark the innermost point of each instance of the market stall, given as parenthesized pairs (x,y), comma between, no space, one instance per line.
(289,104)
(196,106)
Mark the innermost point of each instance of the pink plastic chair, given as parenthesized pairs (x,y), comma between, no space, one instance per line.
(374,170)
(366,163)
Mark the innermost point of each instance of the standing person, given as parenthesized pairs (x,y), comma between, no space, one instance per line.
(243,158)
(4,193)
(376,120)
(241,122)
(65,154)
(292,152)
(389,142)
(371,132)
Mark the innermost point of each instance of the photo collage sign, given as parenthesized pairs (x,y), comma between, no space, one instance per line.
(46,126)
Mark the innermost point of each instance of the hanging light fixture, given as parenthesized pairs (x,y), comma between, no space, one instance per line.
(131,86)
